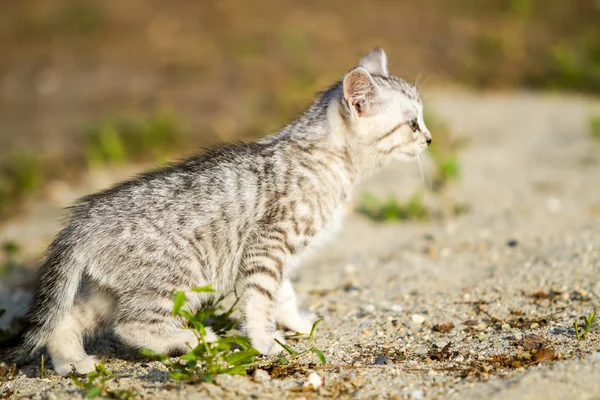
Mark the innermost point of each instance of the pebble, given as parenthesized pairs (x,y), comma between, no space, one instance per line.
(482,336)
(365,323)
(506,327)
(397,308)
(512,243)
(260,376)
(554,204)
(417,394)
(314,381)
(417,319)
(535,325)
(223,380)
(382,360)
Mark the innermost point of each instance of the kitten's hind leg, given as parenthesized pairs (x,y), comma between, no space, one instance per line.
(288,313)
(91,310)
(145,324)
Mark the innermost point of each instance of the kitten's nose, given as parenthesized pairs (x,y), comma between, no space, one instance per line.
(428,141)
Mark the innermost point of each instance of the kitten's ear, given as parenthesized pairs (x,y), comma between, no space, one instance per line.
(375,62)
(360,90)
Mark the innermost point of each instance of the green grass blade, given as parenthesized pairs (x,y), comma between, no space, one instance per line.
(242,357)
(93,392)
(235,370)
(314,326)
(179,301)
(180,376)
(203,289)
(321,356)
(287,348)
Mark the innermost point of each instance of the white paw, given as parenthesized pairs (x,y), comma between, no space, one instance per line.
(267,345)
(82,366)
(298,322)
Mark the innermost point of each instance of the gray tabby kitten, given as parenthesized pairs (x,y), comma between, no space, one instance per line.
(241,214)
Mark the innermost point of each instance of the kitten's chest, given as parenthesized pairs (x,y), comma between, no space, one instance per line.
(329,228)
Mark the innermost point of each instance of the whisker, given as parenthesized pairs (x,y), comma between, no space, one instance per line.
(424,176)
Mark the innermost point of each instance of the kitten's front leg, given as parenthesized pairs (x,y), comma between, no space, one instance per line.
(263,275)
(288,313)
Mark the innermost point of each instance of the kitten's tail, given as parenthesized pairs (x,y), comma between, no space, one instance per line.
(56,286)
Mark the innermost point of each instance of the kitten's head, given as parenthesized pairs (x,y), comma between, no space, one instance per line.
(384,111)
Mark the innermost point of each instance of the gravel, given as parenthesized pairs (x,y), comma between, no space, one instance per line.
(479,305)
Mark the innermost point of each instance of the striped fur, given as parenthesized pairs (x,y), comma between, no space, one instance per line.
(238,215)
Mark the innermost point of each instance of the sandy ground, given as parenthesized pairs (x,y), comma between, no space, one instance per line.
(525,260)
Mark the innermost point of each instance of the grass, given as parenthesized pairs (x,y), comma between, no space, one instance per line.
(392,210)
(42,368)
(594,124)
(10,250)
(294,353)
(589,324)
(231,355)
(111,141)
(444,152)
(94,385)
(118,140)
(21,175)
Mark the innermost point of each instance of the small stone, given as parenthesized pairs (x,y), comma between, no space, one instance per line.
(417,319)
(535,325)
(554,204)
(512,243)
(314,381)
(417,394)
(52,396)
(365,323)
(260,376)
(445,327)
(532,342)
(223,380)
(382,360)
(505,327)
(395,322)
(482,336)
(397,308)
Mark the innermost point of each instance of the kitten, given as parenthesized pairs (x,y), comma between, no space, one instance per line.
(241,214)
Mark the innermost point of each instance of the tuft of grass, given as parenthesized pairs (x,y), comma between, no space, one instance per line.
(42,368)
(589,324)
(10,250)
(95,385)
(392,210)
(231,355)
(295,354)
(203,362)
(116,140)
(595,127)
(444,152)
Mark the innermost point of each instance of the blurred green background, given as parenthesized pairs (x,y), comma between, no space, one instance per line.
(87,83)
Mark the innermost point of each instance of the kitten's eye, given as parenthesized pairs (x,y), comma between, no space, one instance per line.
(414,125)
